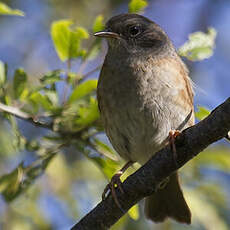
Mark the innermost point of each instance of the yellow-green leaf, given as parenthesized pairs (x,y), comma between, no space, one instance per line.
(134,212)
(98,24)
(105,150)
(81,33)
(199,46)
(19,82)
(10,183)
(136,6)
(67,41)
(82,90)
(87,114)
(2,73)
(107,166)
(202,113)
(39,99)
(6,10)
(61,37)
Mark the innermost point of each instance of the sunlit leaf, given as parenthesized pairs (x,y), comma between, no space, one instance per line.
(41,100)
(24,94)
(88,114)
(121,223)
(19,82)
(104,149)
(2,73)
(107,166)
(7,140)
(199,46)
(82,90)
(81,33)
(52,96)
(14,183)
(10,183)
(202,113)
(98,24)
(134,212)
(6,10)
(67,41)
(60,33)
(136,6)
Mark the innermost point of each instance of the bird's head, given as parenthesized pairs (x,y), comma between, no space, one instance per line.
(134,33)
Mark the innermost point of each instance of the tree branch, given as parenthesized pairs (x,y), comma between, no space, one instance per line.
(39,121)
(146,179)
(25,116)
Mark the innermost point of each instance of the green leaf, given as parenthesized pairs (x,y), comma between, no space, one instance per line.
(67,41)
(136,6)
(6,10)
(51,77)
(82,90)
(134,212)
(19,82)
(41,100)
(76,36)
(87,114)
(202,113)
(81,33)
(98,24)
(2,73)
(107,166)
(10,183)
(60,33)
(199,46)
(52,96)
(105,149)
(14,183)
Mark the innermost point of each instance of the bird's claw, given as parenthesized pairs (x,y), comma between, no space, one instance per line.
(172,136)
(115,182)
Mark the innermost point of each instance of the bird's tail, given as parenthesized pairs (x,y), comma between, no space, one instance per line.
(168,202)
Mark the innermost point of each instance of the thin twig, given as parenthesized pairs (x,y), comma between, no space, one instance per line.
(85,60)
(92,71)
(35,120)
(65,91)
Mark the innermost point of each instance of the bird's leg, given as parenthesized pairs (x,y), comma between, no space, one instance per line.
(172,136)
(116,181)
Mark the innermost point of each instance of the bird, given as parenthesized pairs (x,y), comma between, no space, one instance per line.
(145,99)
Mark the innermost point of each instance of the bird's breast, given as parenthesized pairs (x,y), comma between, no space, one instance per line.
(135,109)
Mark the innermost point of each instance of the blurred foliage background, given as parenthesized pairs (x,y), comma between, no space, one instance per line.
(56,161)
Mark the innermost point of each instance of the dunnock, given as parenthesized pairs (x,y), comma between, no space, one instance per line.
(144,94)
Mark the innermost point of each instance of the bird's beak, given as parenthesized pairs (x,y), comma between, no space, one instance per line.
(106,34)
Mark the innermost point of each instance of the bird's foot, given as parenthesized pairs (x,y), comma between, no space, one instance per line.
(172,136)
(116,183)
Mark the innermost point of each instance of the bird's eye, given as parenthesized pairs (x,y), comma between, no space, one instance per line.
(134,30)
